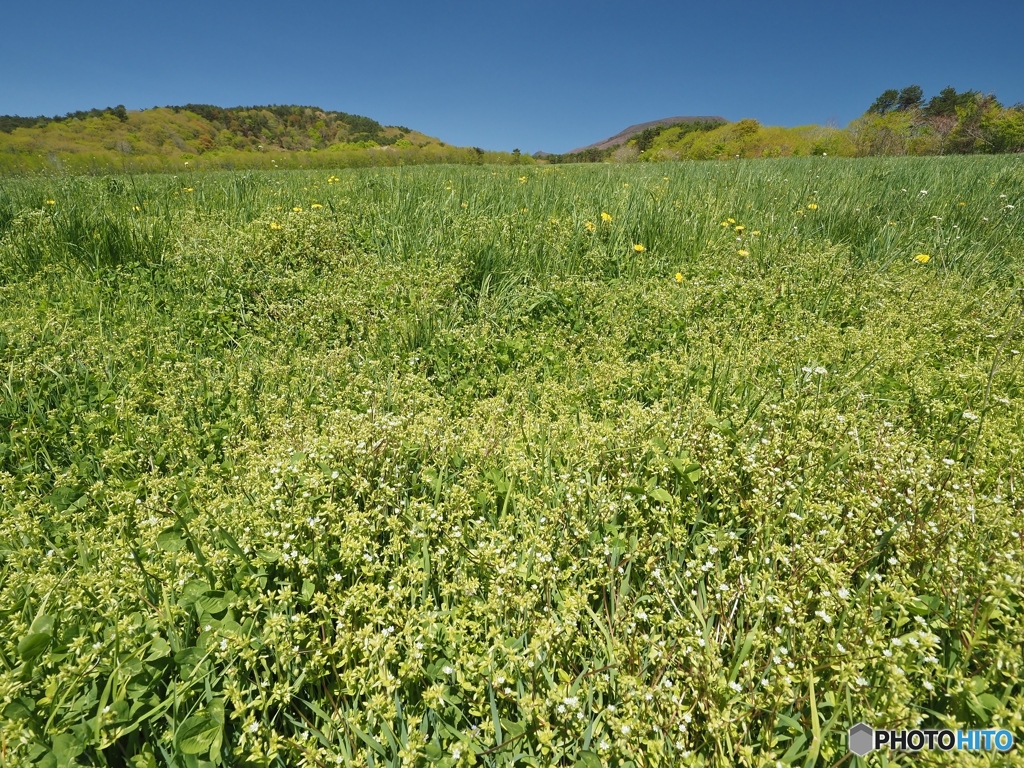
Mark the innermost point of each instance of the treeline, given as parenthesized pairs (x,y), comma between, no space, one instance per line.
(287,127)
(295,127)
(9,122)
(899,122)
(902,122)
(204,137)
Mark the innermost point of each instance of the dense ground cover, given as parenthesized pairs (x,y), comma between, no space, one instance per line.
(627,465)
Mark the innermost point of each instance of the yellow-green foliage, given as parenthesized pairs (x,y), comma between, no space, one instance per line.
(163,139)
(658,465)
(748,139)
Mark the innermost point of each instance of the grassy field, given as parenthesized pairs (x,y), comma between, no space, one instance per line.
(688,464)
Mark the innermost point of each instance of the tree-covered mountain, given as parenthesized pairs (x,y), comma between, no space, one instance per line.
(207,136)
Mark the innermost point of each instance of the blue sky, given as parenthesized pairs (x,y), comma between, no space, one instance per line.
(532,75)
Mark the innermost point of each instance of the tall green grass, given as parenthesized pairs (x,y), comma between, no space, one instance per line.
(446,468)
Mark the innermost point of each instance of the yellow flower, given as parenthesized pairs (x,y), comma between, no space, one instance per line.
(743,252)
(922,258)
(731,221)
(756,232)
(679,277)
(315,206)
(961,204)
(639,248)
(465,204)
(138,209)
(522,179)
(296,209)
(606,216)
(190,189)
(51,202)
(812,206)
(591,226)
(740,228)
(275,225)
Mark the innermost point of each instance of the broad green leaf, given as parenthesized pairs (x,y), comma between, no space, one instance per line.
(170,540)
(33,645)
(215,601)
(433,752)
(19,709)
(158,649)
(197,734)
(513,728)
(66,747)
(660,494)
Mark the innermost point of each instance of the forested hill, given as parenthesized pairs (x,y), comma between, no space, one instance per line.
(206,136)
(898,122)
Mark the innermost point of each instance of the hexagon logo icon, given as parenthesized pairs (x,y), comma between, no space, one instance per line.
(861,739)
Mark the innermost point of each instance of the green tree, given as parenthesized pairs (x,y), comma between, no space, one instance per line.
(885,103)
(910,97)
(945,104)
(883,134)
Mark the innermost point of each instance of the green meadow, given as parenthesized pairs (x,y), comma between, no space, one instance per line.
(595,465)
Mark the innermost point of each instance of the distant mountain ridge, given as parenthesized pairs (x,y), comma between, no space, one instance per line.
(625,135)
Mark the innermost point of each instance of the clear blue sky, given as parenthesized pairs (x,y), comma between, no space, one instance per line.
(533,75)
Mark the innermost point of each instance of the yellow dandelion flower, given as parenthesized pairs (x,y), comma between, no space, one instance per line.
(591,226)
(922,258)
(190,189)
(961,204)
(315,206)
(137,209)
(522,179)
(756,232)
(812,206)
(51,202)
(743,252)
(725,223)
(740,228)
(465,204)
(639,248)
(297,209)
(731,221)
(679,277)
(275,225)
(606,216)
